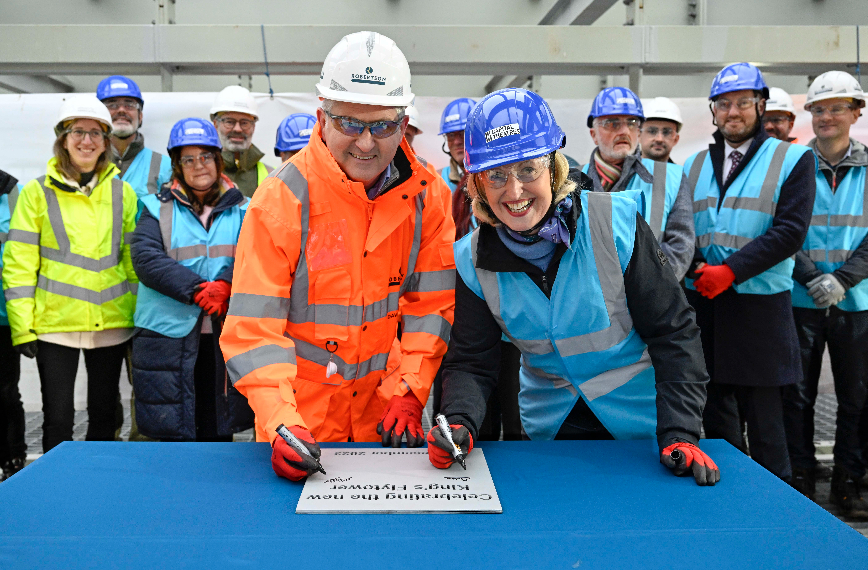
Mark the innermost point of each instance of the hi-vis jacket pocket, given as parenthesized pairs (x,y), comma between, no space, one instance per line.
(331,309)
(328,245)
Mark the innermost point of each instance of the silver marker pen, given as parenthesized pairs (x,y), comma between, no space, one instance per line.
(447,433)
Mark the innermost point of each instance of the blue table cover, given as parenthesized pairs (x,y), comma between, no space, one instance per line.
(566,504)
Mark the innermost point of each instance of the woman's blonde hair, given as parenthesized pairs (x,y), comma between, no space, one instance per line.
(64,161)
(561,187)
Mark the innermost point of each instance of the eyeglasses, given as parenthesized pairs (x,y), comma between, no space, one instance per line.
(834,110)
(354,128)
(615,124)
(128,105)
(742,104)
(229,123)
(77,135)
(525,172)
(776,120)
(454,136)
(653,131)
(203,159)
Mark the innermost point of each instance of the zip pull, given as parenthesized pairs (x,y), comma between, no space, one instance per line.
(331,368)
(545,284)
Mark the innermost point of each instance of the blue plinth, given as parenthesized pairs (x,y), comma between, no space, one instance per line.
(587,505)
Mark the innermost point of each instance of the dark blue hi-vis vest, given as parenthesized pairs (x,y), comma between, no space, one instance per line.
(580,343)
(838,225)
(207,253)
(659,195)
(148,172)
(747,211)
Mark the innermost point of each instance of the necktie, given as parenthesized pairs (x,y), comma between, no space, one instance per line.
(736,157)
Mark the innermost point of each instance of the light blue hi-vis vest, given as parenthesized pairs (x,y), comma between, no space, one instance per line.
(444,174)
(747,211)
(580,343)
(7,206)
(148,172)
(207,253)
(660,195)
(838,225)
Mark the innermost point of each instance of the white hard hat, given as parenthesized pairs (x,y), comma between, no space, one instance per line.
(367,68)
(234,98)
(662,108)
(835,85)
(83,106)
(779,100)
(413,114)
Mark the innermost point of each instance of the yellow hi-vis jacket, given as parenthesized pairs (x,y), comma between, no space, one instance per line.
(66,265)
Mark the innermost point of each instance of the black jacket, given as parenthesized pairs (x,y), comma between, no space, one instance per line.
(661,317)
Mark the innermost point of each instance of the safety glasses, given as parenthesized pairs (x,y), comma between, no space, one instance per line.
(615,124)
(189,161)
(525,172)
(354,127)
(834,110)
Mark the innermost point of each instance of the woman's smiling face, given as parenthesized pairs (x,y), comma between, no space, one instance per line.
(520,193)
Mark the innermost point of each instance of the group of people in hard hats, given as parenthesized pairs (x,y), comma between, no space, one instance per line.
(629,297)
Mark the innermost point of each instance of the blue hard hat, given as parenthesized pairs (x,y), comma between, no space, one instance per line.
(736,77)
(615,101)
(294,132)
(118,86)
(193,131)
(508,126)
(454,117)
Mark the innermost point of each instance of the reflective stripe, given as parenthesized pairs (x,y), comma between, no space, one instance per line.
(557,381)
(3,237)
(834,255)
(227,250)
(846,220)
(754,204)
(770,183)
(63,254)
(128,236)
(428,281)
(299,310)
(610,380)
(724,240)
(417,243)
(188,252)
(258,306)
(13,198)
(347,371)
(20,292)
(611,283)
(696,168)
(82,293)
(243,364)
(167,219)
(23,236)
(431,324)
(658,199)
(154,172)
(702,205)
(167,214)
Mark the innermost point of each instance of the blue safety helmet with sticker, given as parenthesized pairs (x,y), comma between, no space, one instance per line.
(454,117)
(294,132)
(118,86)
(737,77)
(508,126)
(193,131)
(615,101)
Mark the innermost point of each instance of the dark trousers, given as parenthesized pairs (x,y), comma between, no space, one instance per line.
(764,418)
(502,407)
(205,383)
(846,335)
(11,409)
(58,366)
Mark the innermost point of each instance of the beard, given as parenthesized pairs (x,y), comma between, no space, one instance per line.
(235,145)
(124,130)
(740,134)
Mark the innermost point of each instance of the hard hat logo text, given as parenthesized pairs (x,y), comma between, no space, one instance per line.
(502,131)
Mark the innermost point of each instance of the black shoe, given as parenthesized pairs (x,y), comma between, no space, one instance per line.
(12,467)
(846,494)
(803,481)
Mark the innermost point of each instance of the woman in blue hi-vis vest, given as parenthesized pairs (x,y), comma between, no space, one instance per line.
(577,282)
(183,251)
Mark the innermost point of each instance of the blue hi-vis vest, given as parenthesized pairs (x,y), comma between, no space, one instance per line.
(148,172)
(207,253)
(580,343)
(747,210)
(444,174)
(7,206)
(838,225)
(660,195)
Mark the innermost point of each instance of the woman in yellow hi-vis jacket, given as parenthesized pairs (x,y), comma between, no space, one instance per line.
(67,272)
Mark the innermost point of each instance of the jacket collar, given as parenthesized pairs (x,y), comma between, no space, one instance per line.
(717,155)
(135,147)
(858,156)
(53,177)
(246,160)
(632,165)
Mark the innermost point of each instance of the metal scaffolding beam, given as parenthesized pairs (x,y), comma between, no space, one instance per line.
(431,50)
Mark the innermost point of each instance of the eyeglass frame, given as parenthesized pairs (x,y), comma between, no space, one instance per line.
(337,120)
(133,105)
(239,122)
(777,119)
(632,123)
(717,104)
(70,132)
(512,170)
(204,158)
(844,107)
(661,130)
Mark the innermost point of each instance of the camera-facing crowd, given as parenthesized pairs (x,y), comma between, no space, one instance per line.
(530,296)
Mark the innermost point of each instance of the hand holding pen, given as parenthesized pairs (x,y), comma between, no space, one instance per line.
(295,454)
(448,443)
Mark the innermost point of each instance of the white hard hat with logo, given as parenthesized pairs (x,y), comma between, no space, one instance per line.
(234,99)
(779,100)
(413,113)
(662,108)
(366,68)
(835,85)
(83,106)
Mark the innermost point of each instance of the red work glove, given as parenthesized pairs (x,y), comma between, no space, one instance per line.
(286,461)
(690,457)
(403,414)
(213,297)
(713,280)
(439,450)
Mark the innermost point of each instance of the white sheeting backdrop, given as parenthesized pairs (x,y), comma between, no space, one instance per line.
(27,136)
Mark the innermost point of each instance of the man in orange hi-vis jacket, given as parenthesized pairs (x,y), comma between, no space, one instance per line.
(348,239)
